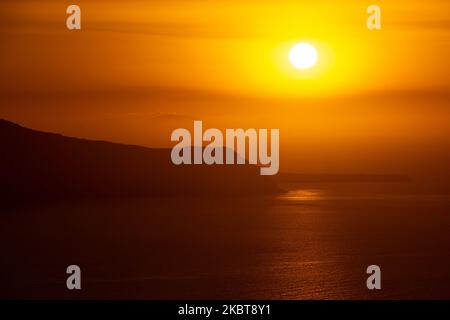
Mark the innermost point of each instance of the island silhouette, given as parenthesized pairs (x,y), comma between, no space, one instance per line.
(37,164)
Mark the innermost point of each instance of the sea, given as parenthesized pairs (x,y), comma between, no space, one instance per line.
(309,242)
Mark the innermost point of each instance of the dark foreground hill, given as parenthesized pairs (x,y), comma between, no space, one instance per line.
(36,164)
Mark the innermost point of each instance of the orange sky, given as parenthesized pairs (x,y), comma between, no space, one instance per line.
(378,101)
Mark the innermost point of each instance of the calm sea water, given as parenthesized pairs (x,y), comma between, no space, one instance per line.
(309,243)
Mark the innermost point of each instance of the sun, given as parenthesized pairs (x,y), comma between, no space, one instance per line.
(303,55)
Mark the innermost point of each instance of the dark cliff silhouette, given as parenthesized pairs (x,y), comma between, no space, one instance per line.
(36,164)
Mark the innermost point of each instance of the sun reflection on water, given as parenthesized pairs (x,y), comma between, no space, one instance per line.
(303,195)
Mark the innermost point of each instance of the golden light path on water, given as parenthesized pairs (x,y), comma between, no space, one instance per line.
(303,195)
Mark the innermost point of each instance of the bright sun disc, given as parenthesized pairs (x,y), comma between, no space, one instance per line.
(303,56)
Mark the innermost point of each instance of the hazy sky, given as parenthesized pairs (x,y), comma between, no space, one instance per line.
(377,101)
